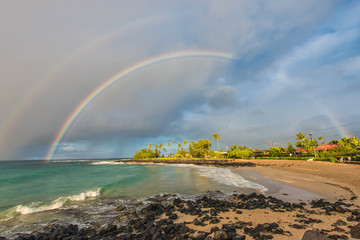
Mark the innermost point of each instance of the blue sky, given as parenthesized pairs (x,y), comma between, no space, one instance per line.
(296,68)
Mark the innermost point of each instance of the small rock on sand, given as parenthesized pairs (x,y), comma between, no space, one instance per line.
(355,231)
(314,235)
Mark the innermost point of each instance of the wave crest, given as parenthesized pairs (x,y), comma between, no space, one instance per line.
(57,203)
(106,163)
(224,176)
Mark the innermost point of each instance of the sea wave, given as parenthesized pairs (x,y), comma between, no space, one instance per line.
(224,176)
(58,203)
(106,163)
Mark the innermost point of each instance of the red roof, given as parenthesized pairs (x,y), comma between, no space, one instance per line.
(300,150)
(326,147)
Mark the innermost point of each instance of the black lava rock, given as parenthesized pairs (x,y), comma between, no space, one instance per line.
(314,235)
(355,231)
(220,235)
(173,216)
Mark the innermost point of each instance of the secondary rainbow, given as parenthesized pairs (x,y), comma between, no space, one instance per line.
(93,43)
(111,81)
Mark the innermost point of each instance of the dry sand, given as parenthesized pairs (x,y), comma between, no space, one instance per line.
(284,219)
(330,180)
(293,180)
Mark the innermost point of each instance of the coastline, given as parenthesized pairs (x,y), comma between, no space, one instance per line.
(291,206)
(332,181)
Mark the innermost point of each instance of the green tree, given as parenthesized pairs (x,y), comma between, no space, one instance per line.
(200,149)
(321,139)
(290,148)
(354,141)
(240,153)
(146,153)
(303,142)
(175,143)
(217,138)
(185,143)
(346,146)
(275,151)
(169,144)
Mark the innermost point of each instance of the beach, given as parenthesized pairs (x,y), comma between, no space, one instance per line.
(328,180)
(331,180)
(294,181)
(289,199)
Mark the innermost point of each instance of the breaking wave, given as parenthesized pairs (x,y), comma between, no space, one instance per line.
(106,163)
(224,176)
(58,203)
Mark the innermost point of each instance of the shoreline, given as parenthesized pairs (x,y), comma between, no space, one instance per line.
(332,181)
(215,215)
(286,211)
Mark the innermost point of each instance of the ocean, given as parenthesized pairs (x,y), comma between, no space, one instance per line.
(34,194)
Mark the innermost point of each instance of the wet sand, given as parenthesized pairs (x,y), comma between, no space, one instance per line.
(290,180)
(329,180)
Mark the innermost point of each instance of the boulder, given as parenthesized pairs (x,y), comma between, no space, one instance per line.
(220,235)
(314,235)
(173,216)
(238,237)
(355,231)
(339,222)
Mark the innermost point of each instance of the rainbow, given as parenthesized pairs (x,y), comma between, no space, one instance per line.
(111,81)
(43,82)
(342,130)
(338,125)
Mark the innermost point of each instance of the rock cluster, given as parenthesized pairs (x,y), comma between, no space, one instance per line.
(157,219)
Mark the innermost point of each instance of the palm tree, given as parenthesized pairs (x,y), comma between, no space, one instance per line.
(321,139)
(185,143)
(174,142)
(160,147)
(150,146)
(169,144)
(218,138)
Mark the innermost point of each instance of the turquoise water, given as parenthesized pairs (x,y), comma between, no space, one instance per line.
(35,192)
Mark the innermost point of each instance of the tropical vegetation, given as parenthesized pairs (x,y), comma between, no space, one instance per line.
(304,148)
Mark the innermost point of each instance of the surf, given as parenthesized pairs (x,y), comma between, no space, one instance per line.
(59,203)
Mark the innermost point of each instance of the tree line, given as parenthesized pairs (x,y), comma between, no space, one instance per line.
(202,149)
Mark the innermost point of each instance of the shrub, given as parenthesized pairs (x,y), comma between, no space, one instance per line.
(237,153)
(146,153)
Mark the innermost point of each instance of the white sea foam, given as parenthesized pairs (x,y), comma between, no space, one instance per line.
(106,163)
(224,176)
(57,203)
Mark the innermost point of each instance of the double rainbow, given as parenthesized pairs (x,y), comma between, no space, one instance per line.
(93,43)
(111,81)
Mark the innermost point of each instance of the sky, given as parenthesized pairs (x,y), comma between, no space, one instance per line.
(251,71)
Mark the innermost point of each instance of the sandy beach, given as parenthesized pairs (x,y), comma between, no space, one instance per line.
(331,180)
(316,198)
(323,179)
(294,181)
(302,181)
